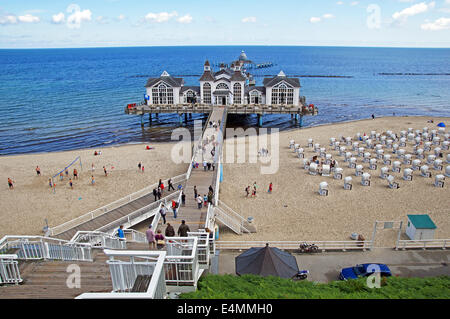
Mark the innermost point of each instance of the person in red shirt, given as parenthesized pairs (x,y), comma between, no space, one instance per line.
(270,188)
(174,208)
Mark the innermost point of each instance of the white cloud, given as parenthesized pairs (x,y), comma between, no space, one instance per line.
(439,24)
(315,20)
(328,16)
(403,15)
(78,16)
(8,19)
(58,18)
(339,3)
(185,19)
(249,20)
(160,17)
(354,3)
(121,17)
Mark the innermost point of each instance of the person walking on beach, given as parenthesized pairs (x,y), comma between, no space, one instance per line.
(170,232)
(139,166)
(199,201)
(38,171)
(373,116)
(10,183)
(66,172)
(92,180)
(143,168)
(183,229)
(155,193)
(92,168)
(270,188)
(163,213)
(61,176)
(247,191)
(75,173)
(195,192)
(70,183)
(104,170)
(50,183)
(170,185)
(150,237)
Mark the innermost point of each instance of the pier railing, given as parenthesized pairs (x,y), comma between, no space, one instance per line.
(139,277)
(109,207)
(135,236)
(38,247)
(230,218)
(422,244)
(294,245)
(181,263)
(99,240)
(203,248)
(9,270)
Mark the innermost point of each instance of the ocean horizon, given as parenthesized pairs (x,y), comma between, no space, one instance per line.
(74,98)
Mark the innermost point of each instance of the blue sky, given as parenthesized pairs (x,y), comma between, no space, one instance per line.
(99,23)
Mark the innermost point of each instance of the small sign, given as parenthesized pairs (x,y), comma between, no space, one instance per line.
(388,225)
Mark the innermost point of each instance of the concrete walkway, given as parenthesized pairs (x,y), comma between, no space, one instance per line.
(325,267)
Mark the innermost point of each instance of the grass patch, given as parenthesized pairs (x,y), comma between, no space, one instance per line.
(256,287)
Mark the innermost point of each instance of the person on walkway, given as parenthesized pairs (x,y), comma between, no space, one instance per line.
(204,165)
(270,188)
(159,240)
(38,171)
(170,185)
(209,166)
(120,232)
(174,208)
(155,193)
(163,213)
(210,197)
(213,166)
(10,183)
(139,166)
(162,188)
(75,173)
(195,192)
(211,189)
(183,229)
(159,193)
(199,201)
(159,184)
(151,237)
(183,199)
(205,200)
(70,183)
(170,232)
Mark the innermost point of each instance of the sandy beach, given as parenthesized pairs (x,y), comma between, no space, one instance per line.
(24,209)
(296,212)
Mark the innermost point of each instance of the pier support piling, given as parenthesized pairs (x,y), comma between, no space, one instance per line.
(185,117)
(180,119)
(142,120)
(150,118)
(300,121)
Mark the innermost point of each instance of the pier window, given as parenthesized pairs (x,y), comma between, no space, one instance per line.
(162,95)
(237,91)
(254,97)
(189,97)
(282,95)
(207,93)
(222,86)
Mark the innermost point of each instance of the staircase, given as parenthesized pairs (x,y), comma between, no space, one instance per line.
(232,220)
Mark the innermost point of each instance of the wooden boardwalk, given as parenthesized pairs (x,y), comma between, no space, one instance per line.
(112,216)
(195,218)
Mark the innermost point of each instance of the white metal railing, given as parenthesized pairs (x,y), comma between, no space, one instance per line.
(109,207)
(125,273)
(137,216)
(135,236)
(230,218)
(99,240)
(294,245)
(424,244)
(9,270)
(181,264)
(203,248)
(209,221)
(38,247)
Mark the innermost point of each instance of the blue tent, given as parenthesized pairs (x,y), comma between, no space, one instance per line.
(441,124)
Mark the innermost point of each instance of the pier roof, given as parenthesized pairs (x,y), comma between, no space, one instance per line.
(237,76)
(196,89)
(269,82)
(174,82)
(207,76)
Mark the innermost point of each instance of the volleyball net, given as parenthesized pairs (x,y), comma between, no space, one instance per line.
(74,162)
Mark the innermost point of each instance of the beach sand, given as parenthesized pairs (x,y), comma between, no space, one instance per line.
(296,212)
(23,210)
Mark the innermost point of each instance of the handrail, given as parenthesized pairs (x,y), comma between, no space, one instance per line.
(124,274)
(9,270)
(99,240)
(234,224)
(423,243)
(236,215)
(39,247)
(107,208)
(136,236)
(293,245)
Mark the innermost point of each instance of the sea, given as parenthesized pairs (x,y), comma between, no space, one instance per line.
(67,99)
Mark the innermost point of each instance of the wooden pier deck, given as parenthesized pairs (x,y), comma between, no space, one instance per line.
(195,218)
